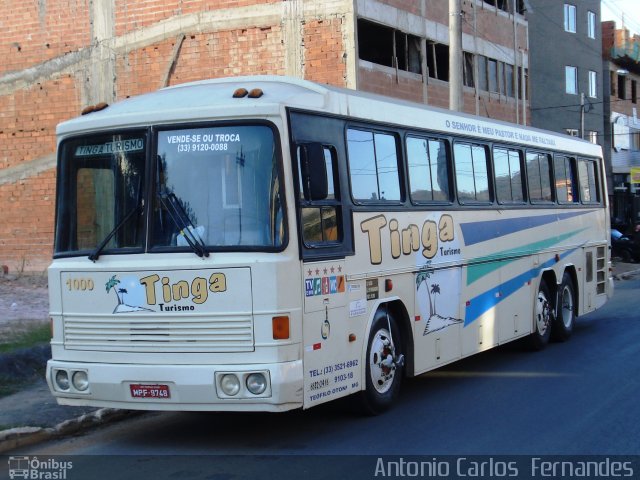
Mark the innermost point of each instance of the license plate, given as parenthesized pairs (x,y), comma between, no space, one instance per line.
(139,390)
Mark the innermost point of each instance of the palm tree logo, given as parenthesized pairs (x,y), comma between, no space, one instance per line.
(435,290)
(435,321)
(111,284)
(122,306)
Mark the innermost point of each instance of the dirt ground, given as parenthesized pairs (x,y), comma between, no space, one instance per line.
(24,301)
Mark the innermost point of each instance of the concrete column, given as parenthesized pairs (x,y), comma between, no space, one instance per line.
(455,55)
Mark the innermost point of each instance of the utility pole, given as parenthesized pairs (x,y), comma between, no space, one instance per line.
(455,55)
(582,116)
(514,78)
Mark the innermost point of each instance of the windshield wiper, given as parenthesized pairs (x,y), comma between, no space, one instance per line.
(183,222)
(96,253)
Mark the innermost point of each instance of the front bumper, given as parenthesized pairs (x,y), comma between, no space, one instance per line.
(191,387)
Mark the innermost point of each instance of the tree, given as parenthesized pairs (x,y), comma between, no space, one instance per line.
(113,281)
(435,290)
(423,274)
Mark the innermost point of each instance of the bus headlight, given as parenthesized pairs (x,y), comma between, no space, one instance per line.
(62,380)
(230,384)
(256,383)
(80,381)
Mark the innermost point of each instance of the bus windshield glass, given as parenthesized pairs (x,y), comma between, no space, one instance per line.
(101,193)
(217,187)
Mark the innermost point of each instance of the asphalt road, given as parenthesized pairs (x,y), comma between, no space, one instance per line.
(576,398)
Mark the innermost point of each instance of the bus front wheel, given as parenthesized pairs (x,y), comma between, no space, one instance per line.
(542,318)
(566,317)
(384,365)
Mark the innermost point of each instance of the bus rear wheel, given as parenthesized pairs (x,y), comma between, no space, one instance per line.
(566,317)
(542,318)
(384,365)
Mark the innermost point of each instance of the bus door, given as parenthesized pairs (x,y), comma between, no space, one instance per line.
(331,356)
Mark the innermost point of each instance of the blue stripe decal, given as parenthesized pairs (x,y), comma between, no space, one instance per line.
(477,232)
(486,301)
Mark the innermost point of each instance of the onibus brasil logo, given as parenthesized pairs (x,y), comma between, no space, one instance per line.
(33,468)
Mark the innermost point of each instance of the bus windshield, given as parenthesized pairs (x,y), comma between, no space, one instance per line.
(101,193)
(217,187)
(213,188)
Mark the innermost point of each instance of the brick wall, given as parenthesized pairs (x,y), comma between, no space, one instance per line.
(324,59)
(494,38)
(62,55)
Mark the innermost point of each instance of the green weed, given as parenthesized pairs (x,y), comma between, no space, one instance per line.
(35,335)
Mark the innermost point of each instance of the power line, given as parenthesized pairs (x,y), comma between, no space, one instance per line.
(577,104)
(620,14)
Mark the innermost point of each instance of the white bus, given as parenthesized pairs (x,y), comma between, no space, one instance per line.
(267,243)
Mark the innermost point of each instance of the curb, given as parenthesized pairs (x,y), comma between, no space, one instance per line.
(26,436)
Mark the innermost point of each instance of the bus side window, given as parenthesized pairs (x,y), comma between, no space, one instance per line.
(508,171)
(539,177)
(373,166)
(588,181)
(472,176)
(320,220)
(428,170)
(565,176)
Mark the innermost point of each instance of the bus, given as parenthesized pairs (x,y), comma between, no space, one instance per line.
(269,243)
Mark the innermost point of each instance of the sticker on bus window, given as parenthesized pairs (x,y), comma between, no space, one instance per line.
(109,148)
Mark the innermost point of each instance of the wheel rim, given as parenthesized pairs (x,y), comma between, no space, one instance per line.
(543,314)
(381,366)
(567,306)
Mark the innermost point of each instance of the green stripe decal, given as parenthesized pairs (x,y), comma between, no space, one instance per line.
(481,266)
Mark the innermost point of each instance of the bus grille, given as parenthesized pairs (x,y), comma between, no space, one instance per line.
(228,334)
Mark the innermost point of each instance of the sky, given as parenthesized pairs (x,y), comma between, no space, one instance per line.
(615,9)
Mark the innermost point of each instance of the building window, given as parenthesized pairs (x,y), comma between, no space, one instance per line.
(508,80)
(507,5)
(592,136)
(523,85)
(634,91)
(593,84)
(622,87)
(468,70)
(571,80)
(591,24)
(438,60)
(569,18)
(634,139)
(389,47)
(482,73)
(571,131)
(492,70)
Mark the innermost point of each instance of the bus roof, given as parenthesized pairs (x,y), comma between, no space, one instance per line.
(212,99)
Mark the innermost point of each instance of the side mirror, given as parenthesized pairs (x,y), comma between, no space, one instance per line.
(313,171)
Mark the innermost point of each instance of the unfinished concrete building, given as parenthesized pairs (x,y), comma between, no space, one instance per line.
(60,56)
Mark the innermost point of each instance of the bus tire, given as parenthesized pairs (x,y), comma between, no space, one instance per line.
(542,318)
(565,316)
(383,374)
